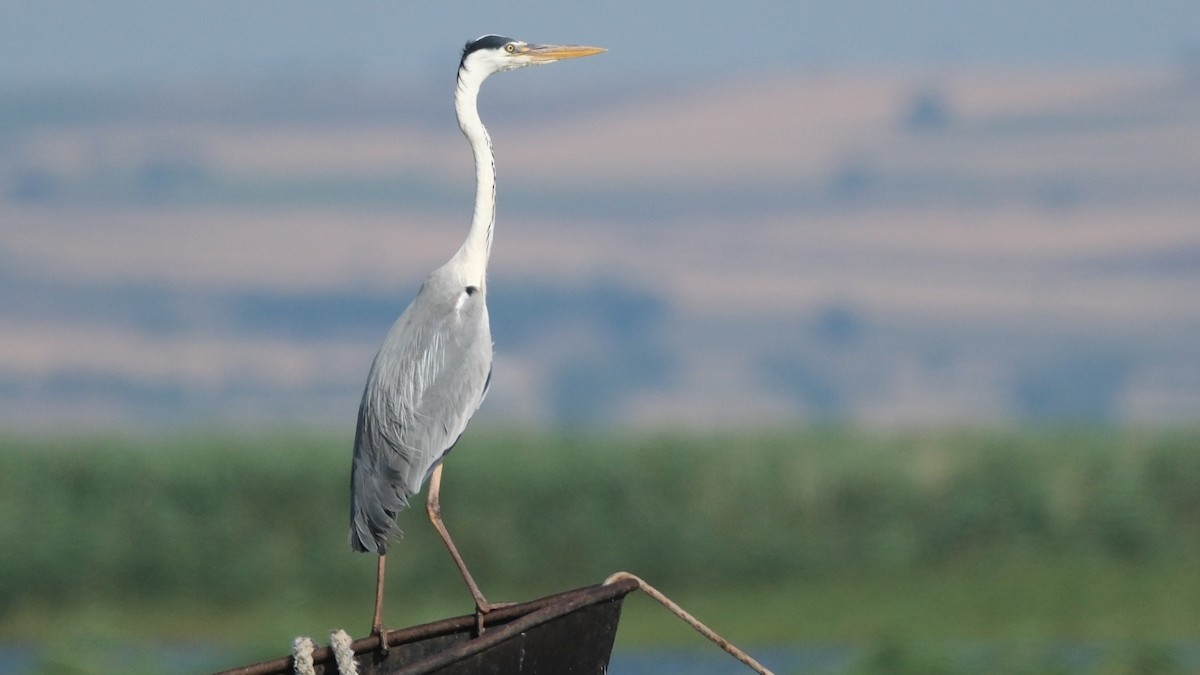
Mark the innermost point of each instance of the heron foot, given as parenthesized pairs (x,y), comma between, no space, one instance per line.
(482,608)
(485,607)
(382,632)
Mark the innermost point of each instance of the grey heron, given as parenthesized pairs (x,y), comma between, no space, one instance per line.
(434,367)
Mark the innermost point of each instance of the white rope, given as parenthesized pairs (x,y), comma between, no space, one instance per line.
(339,642)
(691,621)
(302,656)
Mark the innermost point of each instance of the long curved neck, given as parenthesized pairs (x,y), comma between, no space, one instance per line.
(472,257)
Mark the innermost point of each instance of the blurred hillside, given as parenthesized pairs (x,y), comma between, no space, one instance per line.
(971,246)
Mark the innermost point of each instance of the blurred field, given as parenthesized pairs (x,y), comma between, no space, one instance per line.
(899,544)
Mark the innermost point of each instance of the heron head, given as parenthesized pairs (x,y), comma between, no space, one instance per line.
(495,53)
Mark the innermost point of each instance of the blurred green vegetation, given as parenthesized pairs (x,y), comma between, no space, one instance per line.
(887,540)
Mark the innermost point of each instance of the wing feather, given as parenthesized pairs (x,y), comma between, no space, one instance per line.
(425,383)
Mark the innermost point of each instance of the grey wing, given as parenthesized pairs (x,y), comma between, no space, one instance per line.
(427,380)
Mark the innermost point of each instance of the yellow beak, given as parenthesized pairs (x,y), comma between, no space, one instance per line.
(550,53)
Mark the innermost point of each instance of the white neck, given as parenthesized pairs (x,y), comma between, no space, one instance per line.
(472,257)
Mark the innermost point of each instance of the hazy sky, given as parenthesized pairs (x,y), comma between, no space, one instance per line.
(54,41)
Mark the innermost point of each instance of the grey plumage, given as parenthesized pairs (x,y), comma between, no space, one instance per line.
(434,367)
(427,380)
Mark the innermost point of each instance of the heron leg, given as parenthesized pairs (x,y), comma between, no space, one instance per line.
(377,621)
(433,507)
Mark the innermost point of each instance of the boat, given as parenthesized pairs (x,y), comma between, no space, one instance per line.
(569,632)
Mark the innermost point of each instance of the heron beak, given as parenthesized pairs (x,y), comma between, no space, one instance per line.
(552,53)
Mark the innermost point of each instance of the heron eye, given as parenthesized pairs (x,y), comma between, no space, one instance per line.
(510,48)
